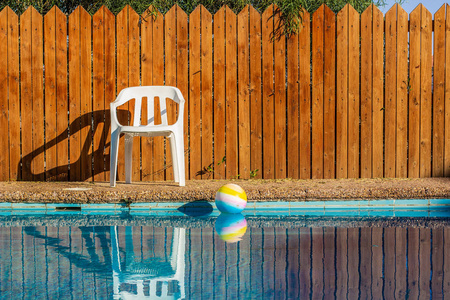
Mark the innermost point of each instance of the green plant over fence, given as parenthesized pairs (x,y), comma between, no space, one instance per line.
(290,9)
(349,95)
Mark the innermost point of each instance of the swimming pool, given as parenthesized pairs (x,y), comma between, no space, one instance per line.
(176,254)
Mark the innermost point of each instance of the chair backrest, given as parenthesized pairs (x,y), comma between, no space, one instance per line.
(151,93)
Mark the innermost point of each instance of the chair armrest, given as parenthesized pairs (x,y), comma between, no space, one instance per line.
(122,98)
(180,100)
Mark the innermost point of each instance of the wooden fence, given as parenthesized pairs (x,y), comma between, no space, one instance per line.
(349,96)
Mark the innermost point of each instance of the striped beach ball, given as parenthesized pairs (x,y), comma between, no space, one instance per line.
(231,199)
(231,227)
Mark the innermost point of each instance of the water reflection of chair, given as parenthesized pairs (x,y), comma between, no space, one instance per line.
(156,278)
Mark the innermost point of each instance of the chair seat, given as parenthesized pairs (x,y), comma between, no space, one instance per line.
(149,130)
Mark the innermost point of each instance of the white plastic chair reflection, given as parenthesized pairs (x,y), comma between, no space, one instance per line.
(156,278)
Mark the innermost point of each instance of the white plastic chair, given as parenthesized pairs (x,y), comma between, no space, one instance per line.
(174,132)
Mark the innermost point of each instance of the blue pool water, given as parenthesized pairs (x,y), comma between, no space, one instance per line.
(199,254)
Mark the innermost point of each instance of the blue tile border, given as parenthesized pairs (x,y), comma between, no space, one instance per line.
(410,202)
(5,205)
(388,202)
(439,202)
(26,206)
(99,206)
(388,207)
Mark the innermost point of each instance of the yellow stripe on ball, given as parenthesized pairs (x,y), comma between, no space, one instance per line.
(234,190)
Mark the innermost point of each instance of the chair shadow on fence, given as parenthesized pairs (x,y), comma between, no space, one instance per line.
(83,166)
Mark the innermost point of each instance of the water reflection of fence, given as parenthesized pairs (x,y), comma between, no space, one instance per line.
(293,263)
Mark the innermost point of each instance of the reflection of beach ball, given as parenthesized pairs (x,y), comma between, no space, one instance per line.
(231,198)
(231,227)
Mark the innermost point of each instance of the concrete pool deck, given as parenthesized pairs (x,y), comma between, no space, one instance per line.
(256,189)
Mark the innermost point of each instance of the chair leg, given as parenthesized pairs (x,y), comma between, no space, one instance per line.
(113,157)
(128,157)
(173,151)
(179,139)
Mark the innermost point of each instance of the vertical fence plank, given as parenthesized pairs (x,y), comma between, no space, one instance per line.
(243,99)
(365,266)
(425,93)
(158,79)
(353,264)
(220,262)
(170,36)
(206,89)
(5,248)
(85,95)
(183,76)
(256,152)
(134,80)
(317,258)
(305,96)
(377,93)
(122,36)
(219,93)
(438,257)
(329,100)
(389,262)
(424,262)
(401,169)
(305,262)
(293,259)
(280,262)
(413,262)
(446,265)
(439,93)
(353,93)
(37,62)
(13,95)
(268,265)
(414,94)
(231,274)
(391,89)
(293,105)
(50,93)
(4,147)
(377,262)
(17,244)
(317,92)
(147,77)
(280,95)
(231,94)
(208,260)
(110,79)
(447,95)
(74,95)
(341,262)
(194,92)
(400,263)
(256,251)
(341,93)
(367,38)
(329,280)
(62,142)
(268,94)
(98,64)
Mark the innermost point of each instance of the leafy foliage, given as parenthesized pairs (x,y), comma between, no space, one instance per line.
(291,11)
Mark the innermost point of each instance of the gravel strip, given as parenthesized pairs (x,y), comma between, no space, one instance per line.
(256,189)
